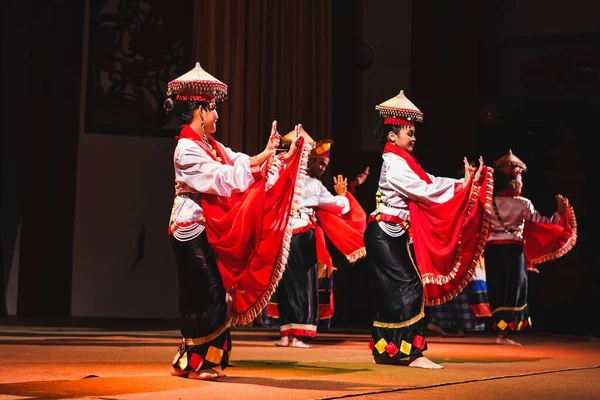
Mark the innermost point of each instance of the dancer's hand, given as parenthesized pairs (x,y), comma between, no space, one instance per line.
(469,172)
(360,178)
(340,184)
(562,204)
(467,168)
(274,138)
(287,156)
(478,173)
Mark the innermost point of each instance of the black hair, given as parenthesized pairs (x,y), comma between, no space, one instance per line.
(381,130)
(185,109)
(501,180)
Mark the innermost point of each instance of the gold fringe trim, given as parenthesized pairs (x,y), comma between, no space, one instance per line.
(206,339)
(403,324)
(572,220)
(261,303)
(480,246)
(509,309)
(356,255)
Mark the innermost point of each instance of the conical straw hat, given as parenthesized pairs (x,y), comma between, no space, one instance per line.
(400,106)
(509,163)
(289,137)
(198,85)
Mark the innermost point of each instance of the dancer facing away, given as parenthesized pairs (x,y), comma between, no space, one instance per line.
(436,214)
(520,238)
(223,200)
(304,295)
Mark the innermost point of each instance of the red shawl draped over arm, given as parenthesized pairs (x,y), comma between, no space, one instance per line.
(250,233)
(545,242)
(346,231)
(448,238)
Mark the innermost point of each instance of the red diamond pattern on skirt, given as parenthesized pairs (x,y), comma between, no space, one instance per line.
(391,349)
(525,323)
(226,345)
(196,361)
(371,344)
(419,342)
(512,325)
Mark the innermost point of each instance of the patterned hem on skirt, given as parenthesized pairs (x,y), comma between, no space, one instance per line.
(212,354)
(398,343)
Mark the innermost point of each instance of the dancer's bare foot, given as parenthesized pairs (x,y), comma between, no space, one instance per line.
(208,374)
(283,342)
(424,362)
(506,341)
(299,344)
(179,372)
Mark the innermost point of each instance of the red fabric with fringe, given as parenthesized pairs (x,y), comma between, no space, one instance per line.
(448,238)
(346,231)
(545,242)
(248,231)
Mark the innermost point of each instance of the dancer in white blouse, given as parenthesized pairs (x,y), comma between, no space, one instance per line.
(220,203)
(295,305)
(397,289)
(506,257)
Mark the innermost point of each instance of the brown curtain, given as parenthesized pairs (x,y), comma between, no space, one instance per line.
(275,56)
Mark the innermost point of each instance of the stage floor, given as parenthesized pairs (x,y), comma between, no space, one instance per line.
(39,362)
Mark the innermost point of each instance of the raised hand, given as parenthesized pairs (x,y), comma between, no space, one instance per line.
(562,204)
(467,169)
(360,178)
(274,138)
(340,185)
(469,172)
(478,172)
(287,156)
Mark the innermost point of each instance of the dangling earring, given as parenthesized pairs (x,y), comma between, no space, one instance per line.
(203,133)
(205,138)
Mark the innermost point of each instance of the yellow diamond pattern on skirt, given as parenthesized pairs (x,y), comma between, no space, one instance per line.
(176,357)
(380,345)
(520,325)
(214,355)
(502,325)
(405,347)
(529,320)
(183,361)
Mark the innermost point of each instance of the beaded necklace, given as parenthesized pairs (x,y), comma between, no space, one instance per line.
(212,149)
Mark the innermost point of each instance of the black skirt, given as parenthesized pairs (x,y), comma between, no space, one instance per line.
(202,307)
(397,297)
(506,275)
(296,295)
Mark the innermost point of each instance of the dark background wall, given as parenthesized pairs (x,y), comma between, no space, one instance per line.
(520,75)
(489,77)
